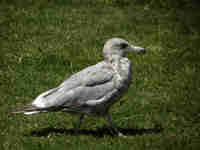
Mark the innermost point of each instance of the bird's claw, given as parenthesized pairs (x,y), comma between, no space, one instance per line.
(121,135)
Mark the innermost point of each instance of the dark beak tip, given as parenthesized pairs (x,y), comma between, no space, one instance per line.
(143,51)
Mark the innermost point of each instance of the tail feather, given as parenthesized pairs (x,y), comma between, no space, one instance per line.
(31,109)
(27,109)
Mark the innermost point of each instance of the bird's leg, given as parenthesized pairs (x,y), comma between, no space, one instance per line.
(79,123)
(113,125)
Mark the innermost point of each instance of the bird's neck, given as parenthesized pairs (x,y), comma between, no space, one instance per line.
(112,58)
(122,68)
(114,62)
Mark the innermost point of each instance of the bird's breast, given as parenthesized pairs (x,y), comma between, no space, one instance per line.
(122,73)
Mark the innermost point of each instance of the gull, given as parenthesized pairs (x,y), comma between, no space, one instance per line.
(92,90)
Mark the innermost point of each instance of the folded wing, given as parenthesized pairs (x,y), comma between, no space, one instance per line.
(88,86)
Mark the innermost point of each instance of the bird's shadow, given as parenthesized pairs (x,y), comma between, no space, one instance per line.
(99,132)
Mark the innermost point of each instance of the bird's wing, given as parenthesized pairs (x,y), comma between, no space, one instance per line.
(92,75)
(92,83)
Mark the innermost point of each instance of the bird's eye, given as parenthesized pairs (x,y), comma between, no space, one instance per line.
(123,45)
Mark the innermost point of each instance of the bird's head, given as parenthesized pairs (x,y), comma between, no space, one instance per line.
(119,47)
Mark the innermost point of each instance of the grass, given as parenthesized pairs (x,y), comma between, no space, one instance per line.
(44,42)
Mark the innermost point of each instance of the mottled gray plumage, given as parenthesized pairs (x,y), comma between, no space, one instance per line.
(94,89)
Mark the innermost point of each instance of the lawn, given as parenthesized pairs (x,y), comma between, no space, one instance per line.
(44,42)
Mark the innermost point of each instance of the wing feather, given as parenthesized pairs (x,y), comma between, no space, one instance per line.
(92,83)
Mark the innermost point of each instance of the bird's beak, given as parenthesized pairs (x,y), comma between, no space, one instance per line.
(136,49)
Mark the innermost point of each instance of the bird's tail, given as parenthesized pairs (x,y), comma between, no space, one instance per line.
(27,110)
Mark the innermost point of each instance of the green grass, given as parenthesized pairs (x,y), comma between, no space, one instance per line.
(43,43)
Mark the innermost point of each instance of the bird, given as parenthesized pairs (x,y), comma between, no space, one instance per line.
(93,90)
